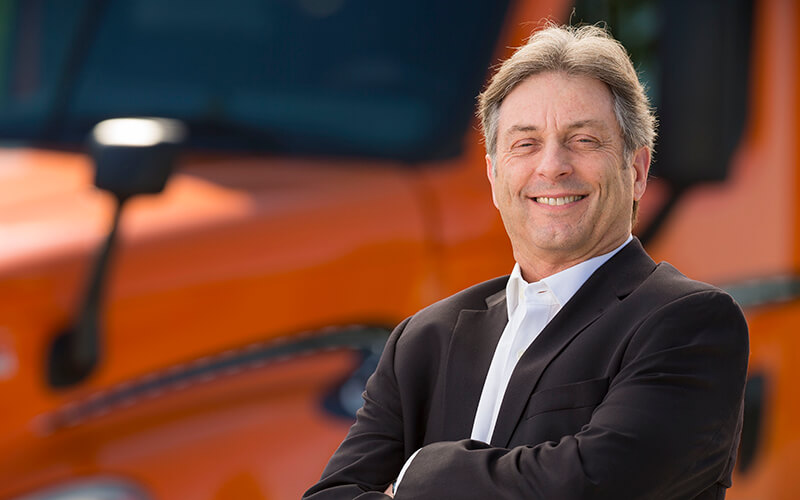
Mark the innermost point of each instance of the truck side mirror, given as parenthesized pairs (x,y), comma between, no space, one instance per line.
(135,155)
(132,156)
(705,54)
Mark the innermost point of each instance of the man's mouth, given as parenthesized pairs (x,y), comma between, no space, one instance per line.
(560,200)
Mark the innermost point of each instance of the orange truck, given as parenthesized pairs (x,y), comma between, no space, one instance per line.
(190,309)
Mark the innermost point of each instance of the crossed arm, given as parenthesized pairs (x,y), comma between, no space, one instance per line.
(667,427)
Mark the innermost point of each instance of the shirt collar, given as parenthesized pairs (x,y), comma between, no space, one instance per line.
(563,284)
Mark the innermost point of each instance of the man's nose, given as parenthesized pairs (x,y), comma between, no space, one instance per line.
(555,162)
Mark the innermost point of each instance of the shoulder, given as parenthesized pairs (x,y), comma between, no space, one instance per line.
(441,317)
(683,308)
(667,285)
(659,298)
(476,297)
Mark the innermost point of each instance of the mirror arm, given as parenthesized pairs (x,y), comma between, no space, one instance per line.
(76,351)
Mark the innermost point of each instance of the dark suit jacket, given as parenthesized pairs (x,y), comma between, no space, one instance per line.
(633,390)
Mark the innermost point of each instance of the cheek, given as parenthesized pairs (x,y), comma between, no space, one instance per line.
(618,183)
(506,184)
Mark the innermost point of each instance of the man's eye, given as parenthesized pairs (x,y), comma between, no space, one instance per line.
(585,142)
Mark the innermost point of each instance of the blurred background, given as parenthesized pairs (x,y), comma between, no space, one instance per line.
(190,307)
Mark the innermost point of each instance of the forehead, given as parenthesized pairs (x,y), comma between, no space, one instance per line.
(555,100)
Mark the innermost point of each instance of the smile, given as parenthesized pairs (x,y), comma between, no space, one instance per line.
(561,200)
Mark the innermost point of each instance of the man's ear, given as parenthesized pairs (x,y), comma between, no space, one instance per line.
(490,175)
(641,167)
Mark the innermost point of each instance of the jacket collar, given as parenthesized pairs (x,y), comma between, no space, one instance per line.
(477,333)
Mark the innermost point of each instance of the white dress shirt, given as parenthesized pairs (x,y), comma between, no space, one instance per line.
(531,306)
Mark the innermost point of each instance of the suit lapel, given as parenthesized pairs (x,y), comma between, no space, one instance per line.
(573,318)
(472,346)
(611,282)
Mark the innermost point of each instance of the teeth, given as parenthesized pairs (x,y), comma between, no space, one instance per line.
(557,201)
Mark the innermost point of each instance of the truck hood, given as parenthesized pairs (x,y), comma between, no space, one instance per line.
(198,268)
(47,204)
(50,210)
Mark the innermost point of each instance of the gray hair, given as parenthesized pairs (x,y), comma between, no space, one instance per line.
(586,51)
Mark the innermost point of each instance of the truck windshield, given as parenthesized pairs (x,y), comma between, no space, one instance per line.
(350,77)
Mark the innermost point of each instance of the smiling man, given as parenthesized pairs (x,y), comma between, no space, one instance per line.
(590,371)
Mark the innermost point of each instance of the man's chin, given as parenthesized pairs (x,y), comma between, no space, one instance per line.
(562,239)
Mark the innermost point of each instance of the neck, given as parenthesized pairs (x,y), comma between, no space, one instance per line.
(538,265)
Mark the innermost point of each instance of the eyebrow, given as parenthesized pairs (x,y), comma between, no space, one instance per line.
(587,123)
(571,126)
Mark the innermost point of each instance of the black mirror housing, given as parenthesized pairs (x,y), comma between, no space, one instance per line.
(135,155)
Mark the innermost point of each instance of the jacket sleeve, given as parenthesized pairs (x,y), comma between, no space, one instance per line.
(667,428)
(372,454)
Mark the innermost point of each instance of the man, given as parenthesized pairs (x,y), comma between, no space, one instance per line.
(590,372)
